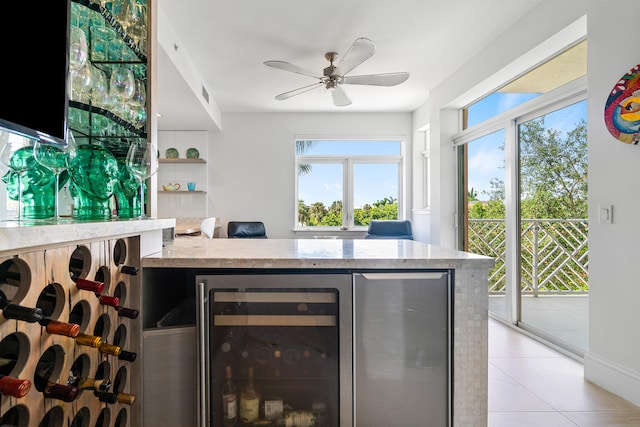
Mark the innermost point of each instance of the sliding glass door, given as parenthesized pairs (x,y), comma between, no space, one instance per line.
(523,201)
(552,158)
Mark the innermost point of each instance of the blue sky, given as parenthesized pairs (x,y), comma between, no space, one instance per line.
(375,182)
(486,158)
(372,182)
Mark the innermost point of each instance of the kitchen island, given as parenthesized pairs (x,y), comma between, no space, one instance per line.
(468,275)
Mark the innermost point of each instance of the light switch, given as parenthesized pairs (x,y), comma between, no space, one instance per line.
(605,215)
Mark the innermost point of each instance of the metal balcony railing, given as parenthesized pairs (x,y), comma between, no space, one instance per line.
(554,254)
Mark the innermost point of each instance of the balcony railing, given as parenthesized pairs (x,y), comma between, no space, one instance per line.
(554,254)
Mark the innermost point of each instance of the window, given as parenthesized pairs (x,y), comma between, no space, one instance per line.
(563,68)
(347,183)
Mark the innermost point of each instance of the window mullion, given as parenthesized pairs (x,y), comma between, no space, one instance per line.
(347,194)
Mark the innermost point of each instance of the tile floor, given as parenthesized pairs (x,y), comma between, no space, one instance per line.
(533,385)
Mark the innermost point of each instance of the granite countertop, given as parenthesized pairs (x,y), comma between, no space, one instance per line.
(16,235)
(187,252)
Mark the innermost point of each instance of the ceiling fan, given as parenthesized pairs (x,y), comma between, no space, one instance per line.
(334,76)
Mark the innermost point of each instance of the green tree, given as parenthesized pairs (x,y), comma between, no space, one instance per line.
(553,175)
(317,211)
(472,195)
(553,171)
(303,213)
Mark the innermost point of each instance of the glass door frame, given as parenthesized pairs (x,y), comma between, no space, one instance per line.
(566,95)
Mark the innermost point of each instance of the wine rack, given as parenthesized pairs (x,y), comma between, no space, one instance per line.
(46,279)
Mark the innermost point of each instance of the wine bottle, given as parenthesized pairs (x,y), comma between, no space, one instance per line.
(88,340)
(107,300)
(249,400)
(116,350)
(18,312)
(110,397)
(128,269)
(130,313)
(16,387)
(60,328)
(90,285)
(229,400)
(128,356)
(93,384)
(112,349)
(66,393)
(300,419)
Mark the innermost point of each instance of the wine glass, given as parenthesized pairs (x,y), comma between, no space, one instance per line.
(125,11)
(78,48)
(17,155)
(54,156)
(81,83)
(142,161)
(122,84)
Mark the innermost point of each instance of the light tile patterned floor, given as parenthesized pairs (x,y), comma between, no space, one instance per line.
(532,385)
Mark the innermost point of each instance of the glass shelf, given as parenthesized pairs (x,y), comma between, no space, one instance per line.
(100,125)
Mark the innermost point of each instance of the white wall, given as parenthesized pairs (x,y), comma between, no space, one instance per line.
(251,162)
(612,359)
(183,204)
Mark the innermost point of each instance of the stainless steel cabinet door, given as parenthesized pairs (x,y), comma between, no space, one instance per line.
(402,349)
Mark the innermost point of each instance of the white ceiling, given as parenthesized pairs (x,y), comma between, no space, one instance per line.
(228,41)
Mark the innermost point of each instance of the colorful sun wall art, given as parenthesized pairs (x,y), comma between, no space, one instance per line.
(622,111)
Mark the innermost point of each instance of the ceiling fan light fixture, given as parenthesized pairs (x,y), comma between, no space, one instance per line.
(334,76)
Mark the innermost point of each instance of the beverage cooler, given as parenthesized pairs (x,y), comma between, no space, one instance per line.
(325,350)
(289,335)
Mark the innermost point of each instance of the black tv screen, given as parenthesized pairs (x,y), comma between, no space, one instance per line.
(34,99)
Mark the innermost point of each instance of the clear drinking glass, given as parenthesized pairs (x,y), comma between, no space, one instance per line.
(81,83)
(78,49)
(55,157)
(122,84)
(142,161)
(17,155)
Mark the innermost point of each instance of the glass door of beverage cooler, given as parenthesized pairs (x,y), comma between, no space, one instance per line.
(289,336)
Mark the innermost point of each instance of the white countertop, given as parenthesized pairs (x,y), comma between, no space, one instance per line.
(187,252)
(16,235)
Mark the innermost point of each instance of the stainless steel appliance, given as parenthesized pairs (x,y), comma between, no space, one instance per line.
(362,349)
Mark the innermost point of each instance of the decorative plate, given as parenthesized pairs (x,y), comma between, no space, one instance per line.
(172,153)
(192,153)
(622,110)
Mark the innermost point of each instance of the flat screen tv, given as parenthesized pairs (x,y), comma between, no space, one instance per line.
(34,99)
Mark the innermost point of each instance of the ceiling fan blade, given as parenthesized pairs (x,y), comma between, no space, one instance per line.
(298,91)
(340,98)
(388,79)
(361,50)
(282,65)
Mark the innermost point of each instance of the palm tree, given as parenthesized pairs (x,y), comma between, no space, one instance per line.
(302,146)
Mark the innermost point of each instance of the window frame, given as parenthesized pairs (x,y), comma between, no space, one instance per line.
(348,163)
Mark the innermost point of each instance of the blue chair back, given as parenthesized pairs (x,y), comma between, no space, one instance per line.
(246,230)
(389,229)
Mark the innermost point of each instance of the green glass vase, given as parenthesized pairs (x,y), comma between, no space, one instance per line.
(37,186)
(127,193)
(94,174)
